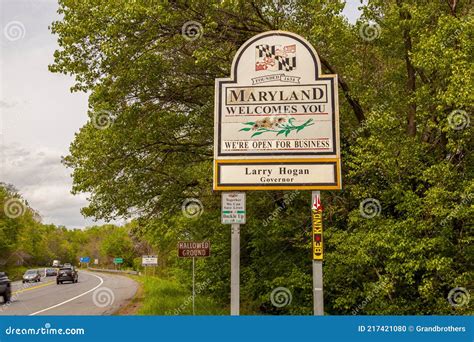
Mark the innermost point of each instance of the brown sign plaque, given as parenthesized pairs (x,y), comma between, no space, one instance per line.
(194,249)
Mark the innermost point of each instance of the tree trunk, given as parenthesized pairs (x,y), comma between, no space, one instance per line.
(411,75)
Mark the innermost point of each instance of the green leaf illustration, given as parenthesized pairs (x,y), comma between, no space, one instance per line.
(276,127)
(257,133)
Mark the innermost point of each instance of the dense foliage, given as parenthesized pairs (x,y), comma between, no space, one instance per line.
(25,241)
(406,94)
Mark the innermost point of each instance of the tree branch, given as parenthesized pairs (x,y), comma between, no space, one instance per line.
(411,74)
(354,103)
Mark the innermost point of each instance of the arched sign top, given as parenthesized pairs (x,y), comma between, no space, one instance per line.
(276,120)
(276,52)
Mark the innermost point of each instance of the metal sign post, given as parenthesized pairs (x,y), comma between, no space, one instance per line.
(233,212)
(194,292)
(318,302)
(235,270)
(317,238)
(194,249)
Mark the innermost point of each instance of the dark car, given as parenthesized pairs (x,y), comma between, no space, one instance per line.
(31,275)
(67,274)
(5,287)
(51,272)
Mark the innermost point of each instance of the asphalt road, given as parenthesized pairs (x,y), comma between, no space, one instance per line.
(94,294)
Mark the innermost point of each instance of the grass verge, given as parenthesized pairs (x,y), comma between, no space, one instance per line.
(167,297)
(132,307)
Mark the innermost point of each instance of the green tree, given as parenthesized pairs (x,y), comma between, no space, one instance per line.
(117,244)
(405,100)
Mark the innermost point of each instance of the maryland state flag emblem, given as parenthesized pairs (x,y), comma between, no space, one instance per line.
(275,57)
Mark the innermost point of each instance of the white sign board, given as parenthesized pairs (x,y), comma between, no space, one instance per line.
(276,118)
(96,261)
(149,260)
(233,208)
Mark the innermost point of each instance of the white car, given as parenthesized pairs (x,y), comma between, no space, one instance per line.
(31,276)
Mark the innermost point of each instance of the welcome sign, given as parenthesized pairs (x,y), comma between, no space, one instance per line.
(276,118)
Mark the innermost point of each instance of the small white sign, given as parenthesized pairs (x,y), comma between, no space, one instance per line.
(149,260)
(96,261)
(233,208)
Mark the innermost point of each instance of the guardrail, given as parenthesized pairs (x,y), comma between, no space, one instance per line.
(113,271)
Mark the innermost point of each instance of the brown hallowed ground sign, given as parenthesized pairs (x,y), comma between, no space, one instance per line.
(194,249)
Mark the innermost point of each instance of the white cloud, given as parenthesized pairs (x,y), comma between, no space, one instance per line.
(45,183)
(38,115)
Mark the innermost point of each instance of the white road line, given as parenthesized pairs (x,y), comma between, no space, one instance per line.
(71,299)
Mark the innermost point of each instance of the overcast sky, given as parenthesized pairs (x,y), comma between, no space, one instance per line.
(39,115)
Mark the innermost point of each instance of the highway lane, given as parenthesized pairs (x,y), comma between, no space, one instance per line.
(94,294)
